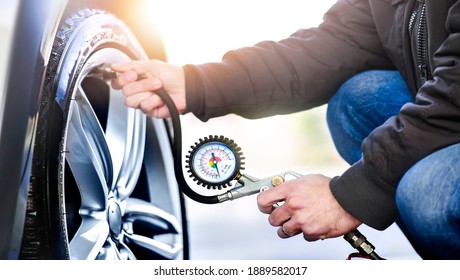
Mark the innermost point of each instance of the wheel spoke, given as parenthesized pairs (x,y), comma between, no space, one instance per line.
(87,154)
(113,251)
(126,140)
(167,251)
(160,230)
(89,239)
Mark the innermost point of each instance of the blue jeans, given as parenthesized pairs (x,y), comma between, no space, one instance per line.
(428,196)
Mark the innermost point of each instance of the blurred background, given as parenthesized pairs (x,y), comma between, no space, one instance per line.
(202,31)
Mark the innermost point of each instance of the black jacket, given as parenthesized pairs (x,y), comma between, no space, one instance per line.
(421,40)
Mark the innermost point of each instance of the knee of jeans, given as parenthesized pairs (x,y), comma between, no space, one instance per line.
(430,189)
(352,95)
(420,202)
(368,92)
(411,208)
(405,197)
(343,117)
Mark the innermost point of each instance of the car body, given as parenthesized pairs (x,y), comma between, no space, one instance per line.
(82,177)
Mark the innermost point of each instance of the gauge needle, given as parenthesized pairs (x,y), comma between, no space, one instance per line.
(215,163)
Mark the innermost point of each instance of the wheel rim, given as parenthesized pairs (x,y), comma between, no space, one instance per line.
(105,156)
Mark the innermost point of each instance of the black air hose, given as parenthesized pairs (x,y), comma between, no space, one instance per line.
(177,152)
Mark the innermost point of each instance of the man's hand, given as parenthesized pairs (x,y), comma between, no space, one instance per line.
(139,79)
(309,208)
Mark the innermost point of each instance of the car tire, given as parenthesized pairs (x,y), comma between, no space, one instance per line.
(102,184)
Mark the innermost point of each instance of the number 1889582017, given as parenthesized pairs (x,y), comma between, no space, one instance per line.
(277,270)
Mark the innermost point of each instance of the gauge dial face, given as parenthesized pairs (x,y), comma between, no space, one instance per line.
(214,162)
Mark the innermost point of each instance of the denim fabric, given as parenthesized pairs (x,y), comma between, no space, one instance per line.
(428,199)
(363,103)
(428,196)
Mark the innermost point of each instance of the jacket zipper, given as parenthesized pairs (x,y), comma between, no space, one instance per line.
(412,20)
(418,18)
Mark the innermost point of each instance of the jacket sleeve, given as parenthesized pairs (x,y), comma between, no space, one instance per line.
(421,128)
(294,74)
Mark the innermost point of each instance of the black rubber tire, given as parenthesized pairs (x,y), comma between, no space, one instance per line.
(53,200)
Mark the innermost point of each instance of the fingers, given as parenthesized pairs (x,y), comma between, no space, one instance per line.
(268,202)
(140,94)
(266,199)
(124,79)
(283,233)
(129,72)
(286,230)
(154,107)
(291,226)
(135,101)
(135,87)
(284,217)
(139,80)
(308,208)
(279,216)
(138,87)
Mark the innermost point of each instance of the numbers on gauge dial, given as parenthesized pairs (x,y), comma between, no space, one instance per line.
(214,162)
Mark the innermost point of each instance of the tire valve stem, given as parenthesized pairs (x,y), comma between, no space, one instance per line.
(103,71)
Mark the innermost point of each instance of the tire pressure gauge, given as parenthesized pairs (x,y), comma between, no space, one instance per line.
(214,162)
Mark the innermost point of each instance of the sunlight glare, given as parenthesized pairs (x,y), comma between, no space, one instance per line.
(203,30)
